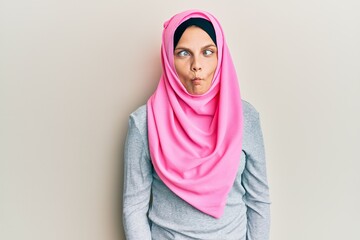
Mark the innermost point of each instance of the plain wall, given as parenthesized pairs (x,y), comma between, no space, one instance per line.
(72,71)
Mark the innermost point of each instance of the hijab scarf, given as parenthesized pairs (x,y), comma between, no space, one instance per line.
(195,141)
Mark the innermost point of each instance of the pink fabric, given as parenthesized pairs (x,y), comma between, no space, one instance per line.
(195,141)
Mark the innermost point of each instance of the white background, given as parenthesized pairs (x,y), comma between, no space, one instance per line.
(72,71)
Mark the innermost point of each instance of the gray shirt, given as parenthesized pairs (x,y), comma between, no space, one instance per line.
(152,211)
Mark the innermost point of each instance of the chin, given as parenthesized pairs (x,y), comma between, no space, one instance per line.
(198,92)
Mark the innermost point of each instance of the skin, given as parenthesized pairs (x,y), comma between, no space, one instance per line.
(195,59)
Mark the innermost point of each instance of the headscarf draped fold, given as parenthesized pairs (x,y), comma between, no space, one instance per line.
(195,141)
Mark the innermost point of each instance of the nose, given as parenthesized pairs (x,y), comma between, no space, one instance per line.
(196,65)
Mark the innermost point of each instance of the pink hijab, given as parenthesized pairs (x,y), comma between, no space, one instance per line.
(195,141)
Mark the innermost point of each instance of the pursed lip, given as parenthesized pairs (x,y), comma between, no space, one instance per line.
(196,80)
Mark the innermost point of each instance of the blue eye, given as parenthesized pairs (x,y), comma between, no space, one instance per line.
(208,52)
(183,53)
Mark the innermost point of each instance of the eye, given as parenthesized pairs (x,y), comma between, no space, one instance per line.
(183,53)
(208,52)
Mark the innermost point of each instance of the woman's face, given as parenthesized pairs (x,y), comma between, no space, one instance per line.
(195,59)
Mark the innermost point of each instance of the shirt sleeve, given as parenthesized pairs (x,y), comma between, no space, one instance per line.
(137,185)
(255,183)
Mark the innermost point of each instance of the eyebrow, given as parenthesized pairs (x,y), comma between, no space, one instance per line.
(184,48)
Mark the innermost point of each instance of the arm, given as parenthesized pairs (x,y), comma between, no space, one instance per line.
(137,186)
(255,183)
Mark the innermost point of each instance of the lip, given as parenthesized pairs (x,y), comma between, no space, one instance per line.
(196,80)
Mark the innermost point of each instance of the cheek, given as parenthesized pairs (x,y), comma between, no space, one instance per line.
(180,68)
(213,66)
(176,65)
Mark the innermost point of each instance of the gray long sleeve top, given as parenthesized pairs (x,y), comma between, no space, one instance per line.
(152,211)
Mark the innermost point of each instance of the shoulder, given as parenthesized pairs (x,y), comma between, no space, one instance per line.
(249,110)
(139,116)
(251,120)
(139,113)
(138,119)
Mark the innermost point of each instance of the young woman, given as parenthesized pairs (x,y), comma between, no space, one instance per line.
(194,154)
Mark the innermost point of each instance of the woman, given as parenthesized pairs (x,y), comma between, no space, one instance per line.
(194,155)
